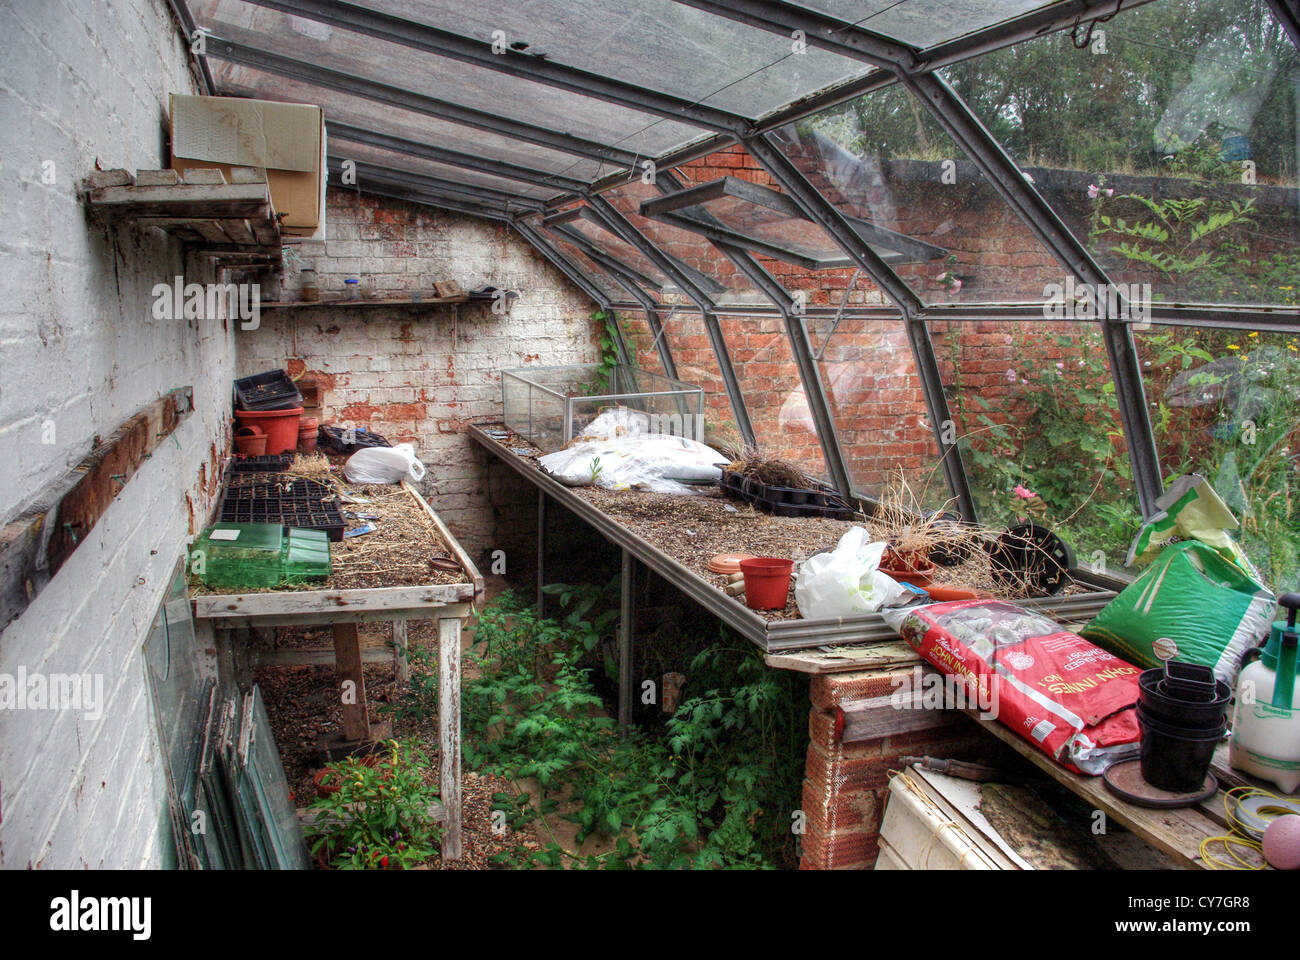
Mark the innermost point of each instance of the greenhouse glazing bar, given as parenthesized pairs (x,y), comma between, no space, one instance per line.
(544,247)
(443,43)
(453,158)
(616,222)
(809,376)
(764,149)
(351,84)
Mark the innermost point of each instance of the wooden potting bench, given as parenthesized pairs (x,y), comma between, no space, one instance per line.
(448,605)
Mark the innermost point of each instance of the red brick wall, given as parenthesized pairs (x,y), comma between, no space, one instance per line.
(845,784)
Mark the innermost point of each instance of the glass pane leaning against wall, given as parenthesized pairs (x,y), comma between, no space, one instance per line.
(1225,404)
(1166,143)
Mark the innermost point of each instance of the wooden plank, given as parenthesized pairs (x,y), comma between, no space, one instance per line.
(1176,832)
(401,664)
(206,201)
(884,653)
(317,656)
(449,732)
(36,544)
(157,178)
(266,232)
(207,231)
(406,603)
(352,682)
(457,551)
(239,231)
(349,304)
(99,179)
(881,717)
(202,176)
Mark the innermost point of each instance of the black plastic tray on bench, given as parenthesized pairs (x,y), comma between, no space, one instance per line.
(276,463)
(786,501)
(272,390)
(287,500)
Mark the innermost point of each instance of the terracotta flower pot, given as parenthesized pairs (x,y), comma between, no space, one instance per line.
(912,567)
(250,442)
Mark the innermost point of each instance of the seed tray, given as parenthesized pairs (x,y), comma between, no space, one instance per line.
(272,390)
(286,500)
(786,501)
(269,464)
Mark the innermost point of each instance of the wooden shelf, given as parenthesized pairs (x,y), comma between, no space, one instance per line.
(331,304)
(233,221)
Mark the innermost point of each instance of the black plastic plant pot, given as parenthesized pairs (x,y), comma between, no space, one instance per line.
(1174,762)
(1176,711)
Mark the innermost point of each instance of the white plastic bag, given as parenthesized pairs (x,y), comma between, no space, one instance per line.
(384,465)
(651,461)
(845,581)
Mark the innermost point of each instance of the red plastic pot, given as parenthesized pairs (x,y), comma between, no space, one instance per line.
(281,427)
(307,434)
(767,582)
(250,442)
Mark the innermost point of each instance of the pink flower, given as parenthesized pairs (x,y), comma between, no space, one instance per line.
(1011,375)
(1024,493)
(1060,365)
(1093,191)
(955,286)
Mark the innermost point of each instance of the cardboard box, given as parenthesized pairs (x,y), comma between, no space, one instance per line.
(288,139)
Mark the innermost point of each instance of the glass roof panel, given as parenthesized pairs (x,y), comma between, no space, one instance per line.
(690,248)
(607,284)
(883,159)
(657,44)
(1169,149)
(340,149)
(380,117)
(622,251)
(924,23)
(807,285)
(434,76)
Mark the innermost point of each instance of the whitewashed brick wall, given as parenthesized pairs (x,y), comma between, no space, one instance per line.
(83,83)
(421,376)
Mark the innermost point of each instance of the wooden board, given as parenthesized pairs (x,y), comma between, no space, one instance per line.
(1176,832)
(330,304)
(38,543)
(457,551)
(293,607)
(352,682)
(867,656)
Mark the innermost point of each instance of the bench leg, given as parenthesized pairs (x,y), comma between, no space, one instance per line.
(449,731)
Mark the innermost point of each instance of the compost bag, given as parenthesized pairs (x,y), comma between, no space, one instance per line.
(1195,596)
(658,462)
(1069,698)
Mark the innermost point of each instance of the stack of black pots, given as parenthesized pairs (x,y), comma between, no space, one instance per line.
(1182,710)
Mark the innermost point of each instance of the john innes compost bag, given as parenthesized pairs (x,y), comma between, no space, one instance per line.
(1072,700)
(1211,608)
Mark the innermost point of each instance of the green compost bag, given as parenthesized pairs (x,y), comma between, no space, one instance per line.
(1211,608)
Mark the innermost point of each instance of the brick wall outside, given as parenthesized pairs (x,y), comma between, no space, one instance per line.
(421,375)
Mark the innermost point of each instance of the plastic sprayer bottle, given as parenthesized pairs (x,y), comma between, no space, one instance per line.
(1266,724)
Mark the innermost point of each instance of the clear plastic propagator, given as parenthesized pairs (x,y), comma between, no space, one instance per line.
(549,406)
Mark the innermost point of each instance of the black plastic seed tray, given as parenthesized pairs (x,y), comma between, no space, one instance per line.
(287,500)
(272,390)
(272,464)
(348,440)
(786,501)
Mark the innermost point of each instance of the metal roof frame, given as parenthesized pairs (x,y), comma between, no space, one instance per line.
(668,207)
(893,62)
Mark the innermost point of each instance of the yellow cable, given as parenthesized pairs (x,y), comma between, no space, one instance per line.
(1240,835)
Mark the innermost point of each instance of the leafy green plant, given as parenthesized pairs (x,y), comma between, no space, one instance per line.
(381,815)
(611,331)
(715,787)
